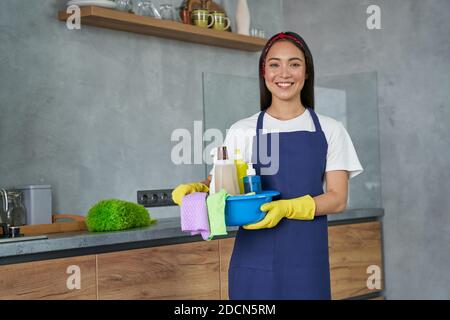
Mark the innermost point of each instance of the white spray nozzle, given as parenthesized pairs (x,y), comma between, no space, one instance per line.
(250,170)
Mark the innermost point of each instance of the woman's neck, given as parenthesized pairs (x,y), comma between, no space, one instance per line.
(285,110)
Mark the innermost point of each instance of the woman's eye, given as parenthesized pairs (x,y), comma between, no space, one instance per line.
(273,65)
(296,65)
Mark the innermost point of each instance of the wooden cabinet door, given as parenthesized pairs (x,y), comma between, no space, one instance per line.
(183,271)
(58,279)
(353,249)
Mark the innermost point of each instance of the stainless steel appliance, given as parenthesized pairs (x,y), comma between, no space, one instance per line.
(12,212)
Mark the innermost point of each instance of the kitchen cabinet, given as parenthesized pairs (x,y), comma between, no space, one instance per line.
(124,21)
(352,247)
(59,279)
(355,250)
(182,271)
(195,270)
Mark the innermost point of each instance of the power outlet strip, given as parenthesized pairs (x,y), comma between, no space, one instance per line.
(155,198)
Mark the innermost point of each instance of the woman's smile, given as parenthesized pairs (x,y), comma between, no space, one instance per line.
(284,85)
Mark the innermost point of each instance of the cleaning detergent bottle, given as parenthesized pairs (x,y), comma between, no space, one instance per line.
(252,182)
(225,175)
(241,169)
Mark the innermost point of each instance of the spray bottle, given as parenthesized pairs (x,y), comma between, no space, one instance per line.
(252,182)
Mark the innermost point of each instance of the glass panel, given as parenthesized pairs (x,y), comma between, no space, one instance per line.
(352,99)
(227,99)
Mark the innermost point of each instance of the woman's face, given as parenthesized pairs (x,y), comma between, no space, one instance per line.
(285,71)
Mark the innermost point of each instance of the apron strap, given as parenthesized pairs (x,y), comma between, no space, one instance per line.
(315,120)
(259,124)
(259,127)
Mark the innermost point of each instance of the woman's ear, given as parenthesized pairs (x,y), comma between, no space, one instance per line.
(306,76)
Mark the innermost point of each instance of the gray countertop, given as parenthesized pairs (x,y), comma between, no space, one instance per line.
(165,231)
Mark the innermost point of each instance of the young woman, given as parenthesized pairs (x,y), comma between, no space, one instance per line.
(285,256)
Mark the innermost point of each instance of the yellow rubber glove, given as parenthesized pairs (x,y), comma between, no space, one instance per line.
(184,189)
(302,208)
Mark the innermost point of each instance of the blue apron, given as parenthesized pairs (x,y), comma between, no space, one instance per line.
(289,261)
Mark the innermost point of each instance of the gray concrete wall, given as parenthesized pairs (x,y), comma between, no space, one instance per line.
(411,55)
(91,111)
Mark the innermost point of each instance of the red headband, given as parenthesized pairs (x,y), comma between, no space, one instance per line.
(279,36)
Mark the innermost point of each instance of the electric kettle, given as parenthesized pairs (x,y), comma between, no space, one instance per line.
(13,213)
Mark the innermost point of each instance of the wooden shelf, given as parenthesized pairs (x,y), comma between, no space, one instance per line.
(123,21)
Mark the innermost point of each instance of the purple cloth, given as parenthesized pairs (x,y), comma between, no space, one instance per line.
(194,214)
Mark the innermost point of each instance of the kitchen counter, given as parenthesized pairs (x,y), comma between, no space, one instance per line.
(164,232)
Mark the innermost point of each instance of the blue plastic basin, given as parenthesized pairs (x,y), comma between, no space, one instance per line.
(242,210)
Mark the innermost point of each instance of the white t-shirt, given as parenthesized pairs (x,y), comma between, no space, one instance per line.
(341,154)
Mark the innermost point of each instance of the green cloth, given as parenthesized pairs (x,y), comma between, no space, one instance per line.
(216,213)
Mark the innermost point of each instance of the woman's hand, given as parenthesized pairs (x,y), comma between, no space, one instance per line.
(184,189)
(302,208)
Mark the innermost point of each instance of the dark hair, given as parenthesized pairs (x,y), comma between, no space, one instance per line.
(307,93)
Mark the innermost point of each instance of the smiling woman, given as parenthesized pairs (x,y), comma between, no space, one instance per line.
(285,256)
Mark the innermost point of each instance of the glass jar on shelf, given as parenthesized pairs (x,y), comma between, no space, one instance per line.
(145,8)
(168,12)
(123,5)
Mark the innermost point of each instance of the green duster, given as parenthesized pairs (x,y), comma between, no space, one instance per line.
(115,214)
